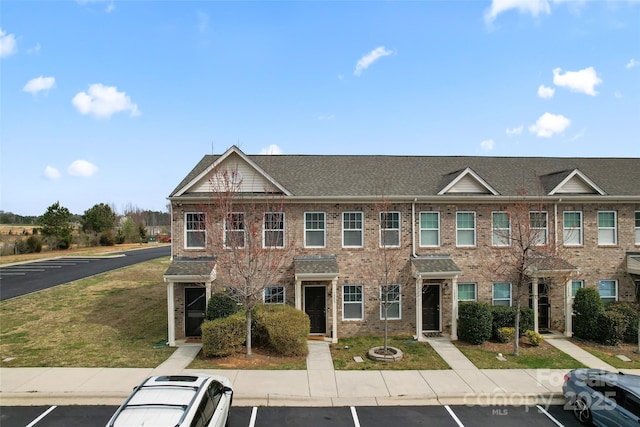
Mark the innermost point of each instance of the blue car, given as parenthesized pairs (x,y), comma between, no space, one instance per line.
(603,398)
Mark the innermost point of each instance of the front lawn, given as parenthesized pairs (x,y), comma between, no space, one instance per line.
(261,358)
(609,353)
(417,355)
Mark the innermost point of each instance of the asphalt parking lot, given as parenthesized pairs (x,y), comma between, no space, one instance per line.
(365,416)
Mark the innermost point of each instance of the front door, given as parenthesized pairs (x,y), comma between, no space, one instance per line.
(431,307)
(543,306)
(196,306)
(315,305)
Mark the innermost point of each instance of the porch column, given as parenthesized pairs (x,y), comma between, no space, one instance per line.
(207,292)
(568,309)
(534,289)
(334,311)
(454,309)
(419,309)
(171,320)
(298,294)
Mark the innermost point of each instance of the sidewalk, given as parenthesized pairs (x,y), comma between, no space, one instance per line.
(318,385)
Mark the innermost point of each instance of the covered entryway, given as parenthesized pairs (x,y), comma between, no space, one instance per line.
(315,305)
(431,308)
(544,316)
(195,308)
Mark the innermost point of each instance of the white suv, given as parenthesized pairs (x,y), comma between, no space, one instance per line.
(177,400)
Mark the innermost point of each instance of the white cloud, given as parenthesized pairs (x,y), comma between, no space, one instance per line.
(549,124)
(534,7)
(578,81)
(39,84)
(103,102)
(545,92)
(515,131)
(51,173)
(82,168)
(7,44)
(487,144)
(272,149)
(366,61)
(633,63)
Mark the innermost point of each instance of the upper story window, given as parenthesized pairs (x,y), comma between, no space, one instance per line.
(501,229)
(390,297)
(389,229)
(467,292)
(501,294)
(352,229)
(429,228)
(539,228)
(608,290)
(314,229)
(195,230)
(352,302)
(274,295)
(465,229)
(273,232)
(234,230)
(637,227)
(607,228)
(572,228)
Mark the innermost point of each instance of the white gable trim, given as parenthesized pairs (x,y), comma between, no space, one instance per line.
(576,174)
(468,172)
(232,150)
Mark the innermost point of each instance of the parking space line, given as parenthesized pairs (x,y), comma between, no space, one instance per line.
(254,413)
(551,417)
(44,414)
(354,414)
(455,418)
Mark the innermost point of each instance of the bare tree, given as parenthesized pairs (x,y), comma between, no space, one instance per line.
(520,249)
(249,244)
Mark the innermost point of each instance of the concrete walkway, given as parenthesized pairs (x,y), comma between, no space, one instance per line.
(318,385)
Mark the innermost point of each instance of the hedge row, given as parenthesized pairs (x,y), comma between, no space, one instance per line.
(611,324)
(478,322)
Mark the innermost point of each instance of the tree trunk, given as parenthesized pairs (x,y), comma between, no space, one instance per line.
(516,333)
(248,331)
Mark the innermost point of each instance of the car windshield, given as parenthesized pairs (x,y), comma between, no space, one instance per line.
(159,416)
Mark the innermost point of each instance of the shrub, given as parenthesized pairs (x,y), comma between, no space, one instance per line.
(474,322)
(506,334)
(503,316)
(224,336)
(534,338)
(34,244)
(284,329)
(107,238)
(611,327)
(588,306)
(630,311)
(221,304)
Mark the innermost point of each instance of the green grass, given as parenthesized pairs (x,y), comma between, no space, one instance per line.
(608,353)
(545,356)
(109,320)
(417,355)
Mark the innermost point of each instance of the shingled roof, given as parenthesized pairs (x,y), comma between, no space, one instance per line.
(409,176)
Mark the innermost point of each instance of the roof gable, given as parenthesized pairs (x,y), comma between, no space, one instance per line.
(575,182)
(467,182)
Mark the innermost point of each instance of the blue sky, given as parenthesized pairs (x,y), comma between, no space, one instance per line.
(116,101)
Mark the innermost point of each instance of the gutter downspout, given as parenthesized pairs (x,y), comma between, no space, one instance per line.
(555,223)
(413,227)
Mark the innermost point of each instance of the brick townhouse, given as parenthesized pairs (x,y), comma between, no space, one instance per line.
(440,219)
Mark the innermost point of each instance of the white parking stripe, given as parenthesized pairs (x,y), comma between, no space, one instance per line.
(44,414)
(354,414)
(551,417)
(254,413)
(455,418)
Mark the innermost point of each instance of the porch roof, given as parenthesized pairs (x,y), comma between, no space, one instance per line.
(441,266)
(549,265)
(321,267)
(191,270)
(633,263)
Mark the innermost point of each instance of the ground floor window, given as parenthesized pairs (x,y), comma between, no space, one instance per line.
(274,295)
(390,296)
(608,290)
(502,294)
(352,302)
(467,292)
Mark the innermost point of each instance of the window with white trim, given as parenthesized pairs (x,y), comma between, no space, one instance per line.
(576,285)
(572,228)
(501,294)
(608,290)
(501,229)
(274,295)
(352,302)
(273,230)
(539,228)
(467,292)
(195,230)
(607,228)
(465,228)
(352,229)
(314,229)
(389,229)
(430,229)
(391,298)
(637,227)
(234,230)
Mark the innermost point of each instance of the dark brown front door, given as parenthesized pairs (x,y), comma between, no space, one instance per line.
(315,305)
(543,304)
(431,308)
(196,306)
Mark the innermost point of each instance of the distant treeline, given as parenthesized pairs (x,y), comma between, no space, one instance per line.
(150,218)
